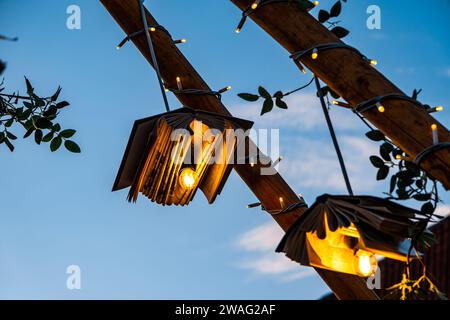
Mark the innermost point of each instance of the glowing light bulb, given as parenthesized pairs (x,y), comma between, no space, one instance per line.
(238,30)
(435,133)
(335,102)
(439,108)
(255,4)
(315,54)
(398,157)
(281,202)
(373,62)
(179,85)
(380,108)
(366,263)
(316,3)
(187,178)
(152,29)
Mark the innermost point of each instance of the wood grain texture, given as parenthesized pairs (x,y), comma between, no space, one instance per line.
(356,81)
(267,189)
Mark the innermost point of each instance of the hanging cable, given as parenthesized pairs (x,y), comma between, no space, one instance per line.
(153,55)
(333,136)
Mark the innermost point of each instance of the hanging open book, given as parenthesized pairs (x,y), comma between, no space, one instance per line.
(171,155)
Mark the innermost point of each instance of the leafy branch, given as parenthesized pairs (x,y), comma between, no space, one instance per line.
(37,116)
(271,100)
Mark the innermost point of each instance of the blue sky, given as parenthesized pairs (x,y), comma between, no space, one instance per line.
(57,209)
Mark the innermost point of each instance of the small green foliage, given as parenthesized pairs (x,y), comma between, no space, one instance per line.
(37,116)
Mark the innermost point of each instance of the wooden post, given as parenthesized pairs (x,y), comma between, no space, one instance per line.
(408,126)
(267,189)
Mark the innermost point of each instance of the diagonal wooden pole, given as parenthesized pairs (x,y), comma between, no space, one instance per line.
(345,71)
(267,189)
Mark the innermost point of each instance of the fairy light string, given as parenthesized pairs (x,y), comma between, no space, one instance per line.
(257,4)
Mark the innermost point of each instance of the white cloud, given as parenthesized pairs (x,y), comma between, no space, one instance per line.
(261,242)
(304,114)
(312,163)
(443,210)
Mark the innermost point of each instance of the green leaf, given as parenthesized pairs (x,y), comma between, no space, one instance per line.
(29,132)
(323,16)
(56,94)
(377,161)
(48,137)
(30,88)
(340,32)
(427,208)
(375,135)
(267,106)
(56,143)
(281,104)
(336,9)
(382,173)
(393,183)
(56,127)
(28,105)
(72,146)
(62,104)
(248,97)
(264,93)
(43,123)
(278,95)
(38,136)
(11,136)
(385,151)
(67,133)
(9,123)
(9,145)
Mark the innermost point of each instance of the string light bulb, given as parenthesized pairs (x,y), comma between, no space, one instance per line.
(316,3)
(366,263)
(281,200)
(435,109)
(435,134)
(152,29)
(315,54)
(179,85)
(227,88)
(180,41)
(241,24)
(373,62)
(255,4)
(187,178)
(380,108)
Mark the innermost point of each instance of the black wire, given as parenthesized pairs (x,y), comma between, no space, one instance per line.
(333,137)
(153,55)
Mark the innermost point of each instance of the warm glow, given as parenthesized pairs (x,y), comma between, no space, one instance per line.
(315,54)
(434,127)
(152,29)
(373,62)
(316,3)
(366,263)
(381,108)
(335,102)
(183,40)
(238,30)
(255,5)
(187,178)
(281,202)
(439,108)
(398,157)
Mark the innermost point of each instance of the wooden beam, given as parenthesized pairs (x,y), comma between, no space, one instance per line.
(408,126)
(267,189)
